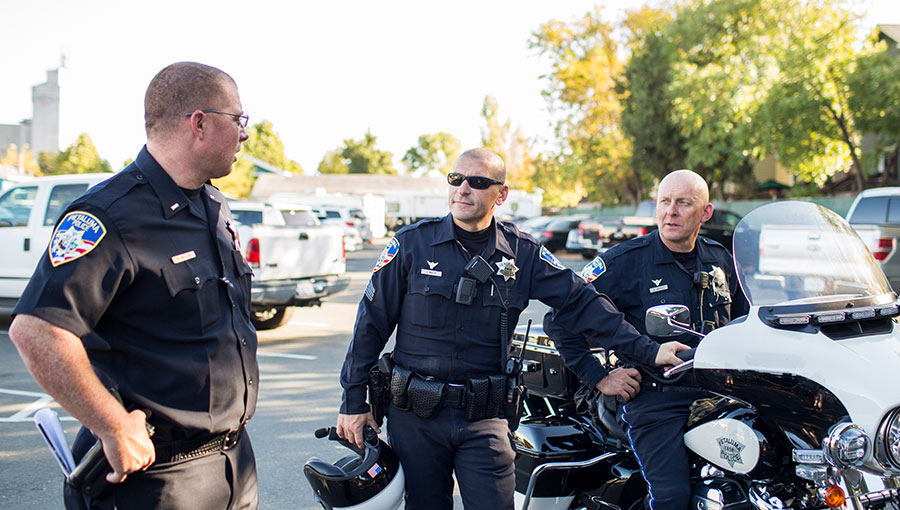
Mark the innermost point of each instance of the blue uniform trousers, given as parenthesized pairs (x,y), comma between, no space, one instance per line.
(655,423)
(480,452)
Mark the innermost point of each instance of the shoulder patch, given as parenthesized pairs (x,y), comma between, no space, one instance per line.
(593,270)
(76,235)
(387,254)
(548,257)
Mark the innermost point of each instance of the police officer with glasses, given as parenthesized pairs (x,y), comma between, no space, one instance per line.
(453,289)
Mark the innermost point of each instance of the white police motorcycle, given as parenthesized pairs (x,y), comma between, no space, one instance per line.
(806,413)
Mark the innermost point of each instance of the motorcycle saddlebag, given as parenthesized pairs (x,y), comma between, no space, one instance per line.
(553,379)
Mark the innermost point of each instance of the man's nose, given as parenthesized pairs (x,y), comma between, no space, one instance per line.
(244,135)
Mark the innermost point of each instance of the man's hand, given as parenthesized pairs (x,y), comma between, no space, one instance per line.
(624,383)
(129,449)
(666,354)
(350,426)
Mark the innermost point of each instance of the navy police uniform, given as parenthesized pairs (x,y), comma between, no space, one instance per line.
(154,282)
(413,289)
(636,275)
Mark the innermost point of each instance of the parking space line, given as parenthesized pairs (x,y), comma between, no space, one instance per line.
(310,324)
(42,399)
(286,355)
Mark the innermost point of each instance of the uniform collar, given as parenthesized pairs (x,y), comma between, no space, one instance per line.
(171,198)
(664,256)
(445,234)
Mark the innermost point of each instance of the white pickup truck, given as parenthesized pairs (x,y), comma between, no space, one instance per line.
(293,265)
(296,261)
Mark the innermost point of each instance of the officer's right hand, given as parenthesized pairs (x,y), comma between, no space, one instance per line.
(128,449)
(350,427)
(666,354)
(624,383)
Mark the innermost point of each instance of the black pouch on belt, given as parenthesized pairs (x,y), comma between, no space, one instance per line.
(425,396)
(498,394)
(477,398)
(399,383)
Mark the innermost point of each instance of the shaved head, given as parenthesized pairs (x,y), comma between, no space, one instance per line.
(682,204)
(687,179)
(487,159)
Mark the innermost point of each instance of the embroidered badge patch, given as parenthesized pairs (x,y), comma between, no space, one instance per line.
(593,270)
(370,291)
(77,234)
(548,257)
(387,254)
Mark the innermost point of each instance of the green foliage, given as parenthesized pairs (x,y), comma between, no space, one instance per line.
(15,157)
(262,144)
(358,157)
(581,91)
(874,97)
(79,158)
(435,153)
(513,147)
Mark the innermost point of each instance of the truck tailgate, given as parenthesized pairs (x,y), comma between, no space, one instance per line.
(292,253)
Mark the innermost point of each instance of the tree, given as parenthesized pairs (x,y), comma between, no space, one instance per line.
(79,158)
(358,157)
(263,144)
(874,97)
(433,154)
(23,159)
(593,154)
(647,112)
(513,147)
(807,118)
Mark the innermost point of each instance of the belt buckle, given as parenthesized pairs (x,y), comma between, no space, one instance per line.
(231,438)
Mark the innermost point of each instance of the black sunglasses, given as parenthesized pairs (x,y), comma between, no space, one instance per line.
(475,181)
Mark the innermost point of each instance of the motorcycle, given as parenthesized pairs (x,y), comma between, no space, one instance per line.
(805,412)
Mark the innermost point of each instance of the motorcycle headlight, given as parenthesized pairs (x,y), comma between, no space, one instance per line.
(847,446)
(887,441)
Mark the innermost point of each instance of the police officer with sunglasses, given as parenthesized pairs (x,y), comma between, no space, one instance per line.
(453,289)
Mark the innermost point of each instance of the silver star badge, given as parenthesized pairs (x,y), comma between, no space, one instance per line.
(507,269)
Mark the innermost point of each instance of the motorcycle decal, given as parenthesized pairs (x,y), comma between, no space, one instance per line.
(78,233)
(548,257)
(730,450)
(719,283)
(507,269)
(370,291)
(387,254)
(593,270)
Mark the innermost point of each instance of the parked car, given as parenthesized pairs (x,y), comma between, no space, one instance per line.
(875,215)
(534,225)
(334,215)
(554,235)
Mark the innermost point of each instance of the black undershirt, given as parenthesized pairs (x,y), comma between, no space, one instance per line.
(473,242)
(687,260)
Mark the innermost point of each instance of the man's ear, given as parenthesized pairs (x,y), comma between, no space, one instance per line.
(198,124)
(707,213)
(504,193)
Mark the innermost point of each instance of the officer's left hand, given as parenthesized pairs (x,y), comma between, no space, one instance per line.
(350,426)
(666,354)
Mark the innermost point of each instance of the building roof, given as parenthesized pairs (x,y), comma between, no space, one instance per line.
(891,31)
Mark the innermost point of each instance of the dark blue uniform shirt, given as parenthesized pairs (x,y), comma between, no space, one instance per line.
(160,294)
(412,289)
(642,272)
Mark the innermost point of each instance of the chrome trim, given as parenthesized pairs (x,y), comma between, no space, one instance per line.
(532,481)
(677,369)
(808,456)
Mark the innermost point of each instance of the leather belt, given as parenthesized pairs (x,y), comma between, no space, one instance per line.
(176,451)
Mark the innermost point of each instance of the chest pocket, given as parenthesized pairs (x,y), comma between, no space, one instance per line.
(194,287)
(427,301)
(665,297)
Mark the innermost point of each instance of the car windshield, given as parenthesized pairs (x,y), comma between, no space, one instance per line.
(799,252)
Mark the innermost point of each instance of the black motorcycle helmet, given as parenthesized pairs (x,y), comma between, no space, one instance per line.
(370,479)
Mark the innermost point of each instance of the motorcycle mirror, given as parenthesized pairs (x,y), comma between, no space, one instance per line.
(668,320)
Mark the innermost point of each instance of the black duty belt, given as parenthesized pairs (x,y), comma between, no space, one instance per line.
(176,451)
(454,396)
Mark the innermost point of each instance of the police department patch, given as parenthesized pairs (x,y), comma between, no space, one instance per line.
(77,234)
(593,270)
(387,254)
(548,257)
(370,291)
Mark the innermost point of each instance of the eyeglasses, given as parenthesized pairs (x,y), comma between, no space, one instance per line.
(242,120)
(475,181)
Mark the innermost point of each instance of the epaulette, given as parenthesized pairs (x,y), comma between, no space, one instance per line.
(627,246)
(513,229)
(712,242)
(419,224)
(109,191)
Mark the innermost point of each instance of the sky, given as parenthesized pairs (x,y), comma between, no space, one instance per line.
(321,71)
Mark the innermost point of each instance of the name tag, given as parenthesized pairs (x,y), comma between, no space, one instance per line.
(659,289)
(431,272)
(188,255)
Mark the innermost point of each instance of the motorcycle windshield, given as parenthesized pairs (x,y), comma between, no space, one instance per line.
(790,253)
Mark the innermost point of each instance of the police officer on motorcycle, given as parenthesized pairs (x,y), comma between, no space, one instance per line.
(454,288)
(670,265)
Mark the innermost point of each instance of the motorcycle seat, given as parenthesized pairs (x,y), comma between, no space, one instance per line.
(606,413)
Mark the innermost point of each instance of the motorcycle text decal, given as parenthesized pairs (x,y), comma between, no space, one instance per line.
(730,450)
